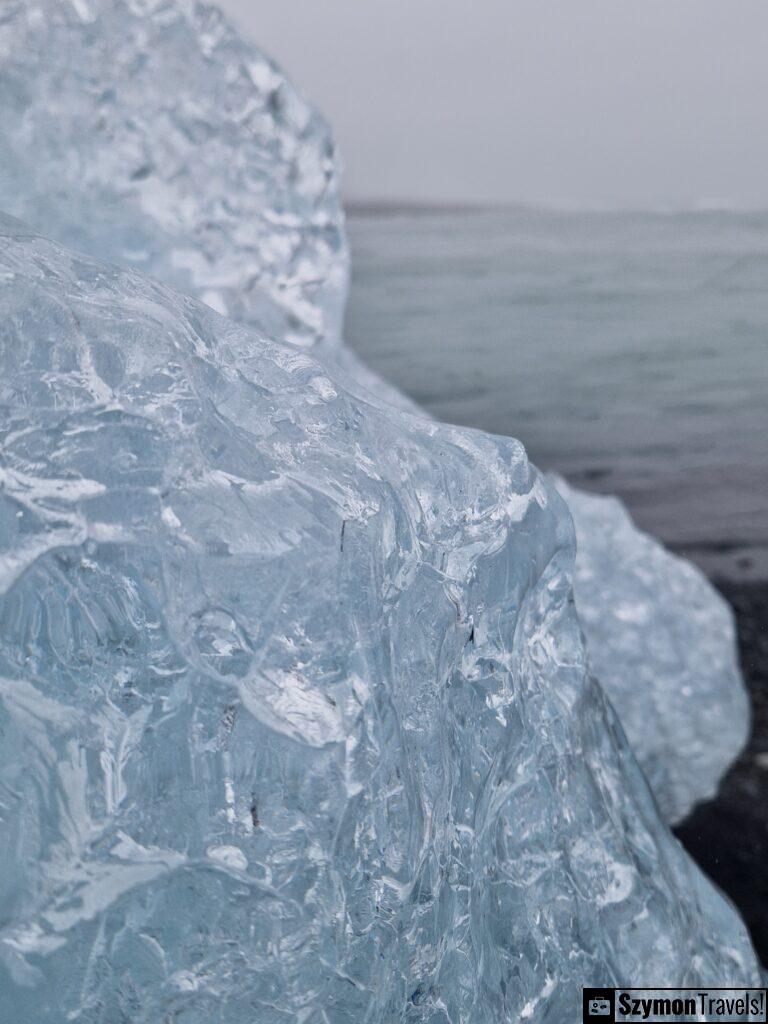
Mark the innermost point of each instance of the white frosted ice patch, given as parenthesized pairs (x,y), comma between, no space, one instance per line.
(229,856)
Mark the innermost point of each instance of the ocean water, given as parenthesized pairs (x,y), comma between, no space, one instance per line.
(627,351)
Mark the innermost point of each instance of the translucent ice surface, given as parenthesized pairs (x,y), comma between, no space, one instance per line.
(296,725)
(296,722)
(662,643)
(150,134)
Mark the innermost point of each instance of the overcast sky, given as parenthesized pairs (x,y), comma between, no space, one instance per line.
(631,103)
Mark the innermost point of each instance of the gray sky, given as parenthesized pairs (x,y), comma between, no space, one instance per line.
(560,102)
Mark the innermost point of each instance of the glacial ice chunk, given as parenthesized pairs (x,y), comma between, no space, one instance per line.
(151,135)
(662,643)
(297,723)
(148,133)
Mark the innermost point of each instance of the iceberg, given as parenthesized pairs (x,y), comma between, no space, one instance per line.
(147,133)
(297,719)
(662,643)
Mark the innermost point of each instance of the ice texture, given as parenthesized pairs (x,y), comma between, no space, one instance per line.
(662,643)
(146,132)
(296,720)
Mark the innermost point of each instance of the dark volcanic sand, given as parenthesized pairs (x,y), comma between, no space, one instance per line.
(728,836)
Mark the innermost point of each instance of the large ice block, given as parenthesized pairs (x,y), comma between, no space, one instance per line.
(296,721)
(148,133)
(662,643)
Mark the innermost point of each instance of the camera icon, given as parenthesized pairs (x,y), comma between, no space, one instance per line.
(599,1008)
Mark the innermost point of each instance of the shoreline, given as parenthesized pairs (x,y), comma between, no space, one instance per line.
(728,836)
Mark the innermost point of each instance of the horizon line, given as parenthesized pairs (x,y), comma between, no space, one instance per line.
(389,207)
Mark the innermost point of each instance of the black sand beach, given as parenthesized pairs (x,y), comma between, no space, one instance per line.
(728,836)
